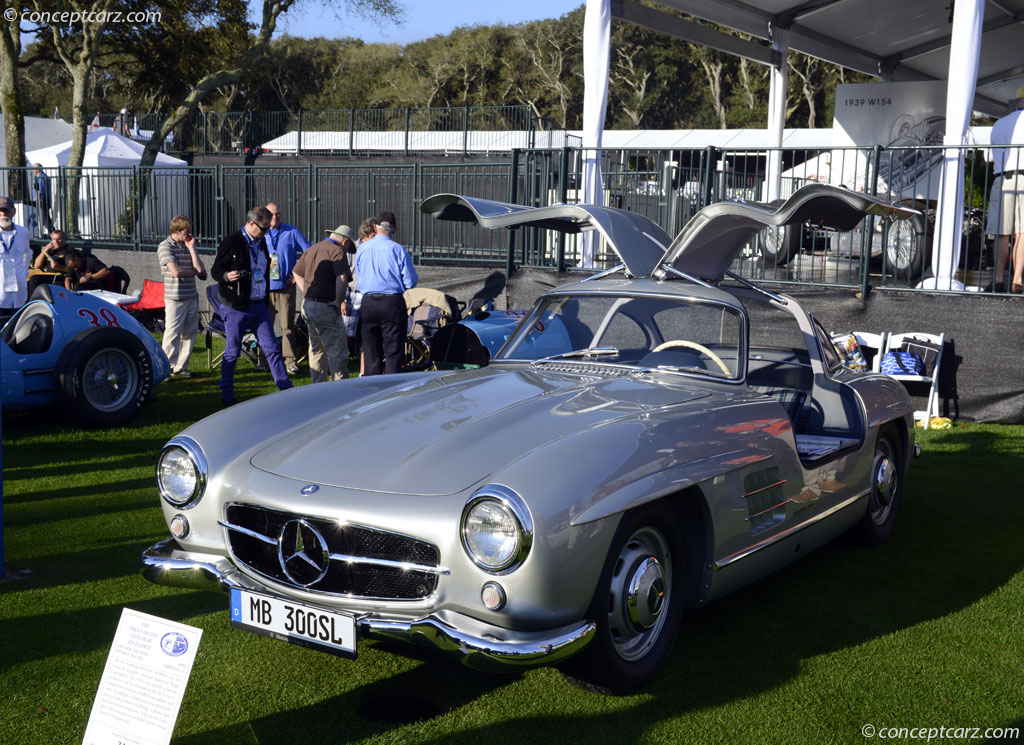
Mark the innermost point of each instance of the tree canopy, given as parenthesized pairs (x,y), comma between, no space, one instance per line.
(656,82)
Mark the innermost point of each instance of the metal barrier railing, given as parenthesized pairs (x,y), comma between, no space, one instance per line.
(131,207)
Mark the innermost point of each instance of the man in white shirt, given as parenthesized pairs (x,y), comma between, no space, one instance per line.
(15,257)
(1006,200)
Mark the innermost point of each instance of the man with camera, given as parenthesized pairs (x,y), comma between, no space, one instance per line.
(241,270)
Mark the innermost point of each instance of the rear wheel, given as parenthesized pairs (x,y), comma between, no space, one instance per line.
(105,377)
(886,492)
(904,251)
(638,605)
(779,244)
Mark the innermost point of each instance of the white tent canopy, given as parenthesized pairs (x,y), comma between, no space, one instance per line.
(106,193)
(103,147)
(39,133)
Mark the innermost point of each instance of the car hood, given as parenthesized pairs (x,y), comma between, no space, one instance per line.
(444,434)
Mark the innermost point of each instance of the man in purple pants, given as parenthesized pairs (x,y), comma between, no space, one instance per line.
(241,270)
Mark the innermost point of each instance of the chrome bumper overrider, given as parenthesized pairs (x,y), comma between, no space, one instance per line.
(165,563)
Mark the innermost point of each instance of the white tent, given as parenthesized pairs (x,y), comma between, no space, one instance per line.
(107,186)
(40,132)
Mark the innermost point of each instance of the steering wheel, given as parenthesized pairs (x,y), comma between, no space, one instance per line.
(699,347)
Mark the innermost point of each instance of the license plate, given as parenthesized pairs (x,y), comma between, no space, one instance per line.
(294,622)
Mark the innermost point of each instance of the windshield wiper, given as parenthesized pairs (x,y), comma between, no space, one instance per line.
(588,352)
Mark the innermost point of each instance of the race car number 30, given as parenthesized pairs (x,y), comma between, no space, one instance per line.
(294,622)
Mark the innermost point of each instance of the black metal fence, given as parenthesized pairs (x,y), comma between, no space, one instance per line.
(131,207)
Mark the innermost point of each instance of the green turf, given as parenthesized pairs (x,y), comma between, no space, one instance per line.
(925,631)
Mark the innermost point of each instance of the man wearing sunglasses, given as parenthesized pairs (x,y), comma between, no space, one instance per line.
(241,270)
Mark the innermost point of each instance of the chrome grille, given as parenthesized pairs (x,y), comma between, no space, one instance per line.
(365,562)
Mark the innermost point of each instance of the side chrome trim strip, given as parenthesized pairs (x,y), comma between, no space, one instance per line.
(721,563)
(774,507)
(765,488)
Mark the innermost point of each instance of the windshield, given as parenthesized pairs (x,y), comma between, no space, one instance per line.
(689,336)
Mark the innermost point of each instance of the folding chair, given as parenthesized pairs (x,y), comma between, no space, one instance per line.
(869,345)
(213,325)
(149,308)
(429,310)
(931,354)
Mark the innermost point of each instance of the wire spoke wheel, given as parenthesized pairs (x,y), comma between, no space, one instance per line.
(109,379)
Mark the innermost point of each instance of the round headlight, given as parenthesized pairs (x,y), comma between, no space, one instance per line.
(496,530)
(181,472)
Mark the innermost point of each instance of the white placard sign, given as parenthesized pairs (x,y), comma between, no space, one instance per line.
(143,682)
(897,116)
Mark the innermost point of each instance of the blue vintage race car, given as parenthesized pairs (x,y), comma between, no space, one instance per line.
(83,353)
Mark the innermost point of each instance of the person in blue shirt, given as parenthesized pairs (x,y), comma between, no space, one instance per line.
(285,243)
(41,187)
(384,271)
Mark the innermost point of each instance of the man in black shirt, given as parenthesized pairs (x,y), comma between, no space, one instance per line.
(84,272)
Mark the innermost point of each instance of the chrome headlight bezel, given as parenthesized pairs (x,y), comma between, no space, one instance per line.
(197,459)
(515,507)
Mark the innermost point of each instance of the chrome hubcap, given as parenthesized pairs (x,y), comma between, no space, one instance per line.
(646,596)
(638,596)
(885,480)
(884,483)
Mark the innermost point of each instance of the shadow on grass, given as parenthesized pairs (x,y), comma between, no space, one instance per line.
(79,567)
(956,542)
(105,490)
(416,695)
(104,453)
(39,637)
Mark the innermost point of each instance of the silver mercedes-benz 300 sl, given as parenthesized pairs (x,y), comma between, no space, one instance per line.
(646,440)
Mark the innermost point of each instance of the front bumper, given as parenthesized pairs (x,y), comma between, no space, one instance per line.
(498,650)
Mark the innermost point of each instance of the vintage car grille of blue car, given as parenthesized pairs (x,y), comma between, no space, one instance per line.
(365,562)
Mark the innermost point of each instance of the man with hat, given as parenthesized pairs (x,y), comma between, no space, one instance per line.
(323,274)
(15,256)
(384,271)
(285,242)
(1006,199)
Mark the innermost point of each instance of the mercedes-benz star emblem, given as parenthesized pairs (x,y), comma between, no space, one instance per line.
(303,553)
(309,489)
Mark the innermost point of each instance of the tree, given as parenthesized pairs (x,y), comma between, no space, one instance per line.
(544,66)
(234,67)
(10,101)
(78,51)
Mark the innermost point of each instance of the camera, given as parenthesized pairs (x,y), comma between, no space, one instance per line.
(243,272)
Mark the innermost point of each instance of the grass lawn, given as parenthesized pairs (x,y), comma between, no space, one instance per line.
(926,631)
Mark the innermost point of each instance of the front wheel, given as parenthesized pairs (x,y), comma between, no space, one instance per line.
(638,605)
(105,377)
(886,491)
